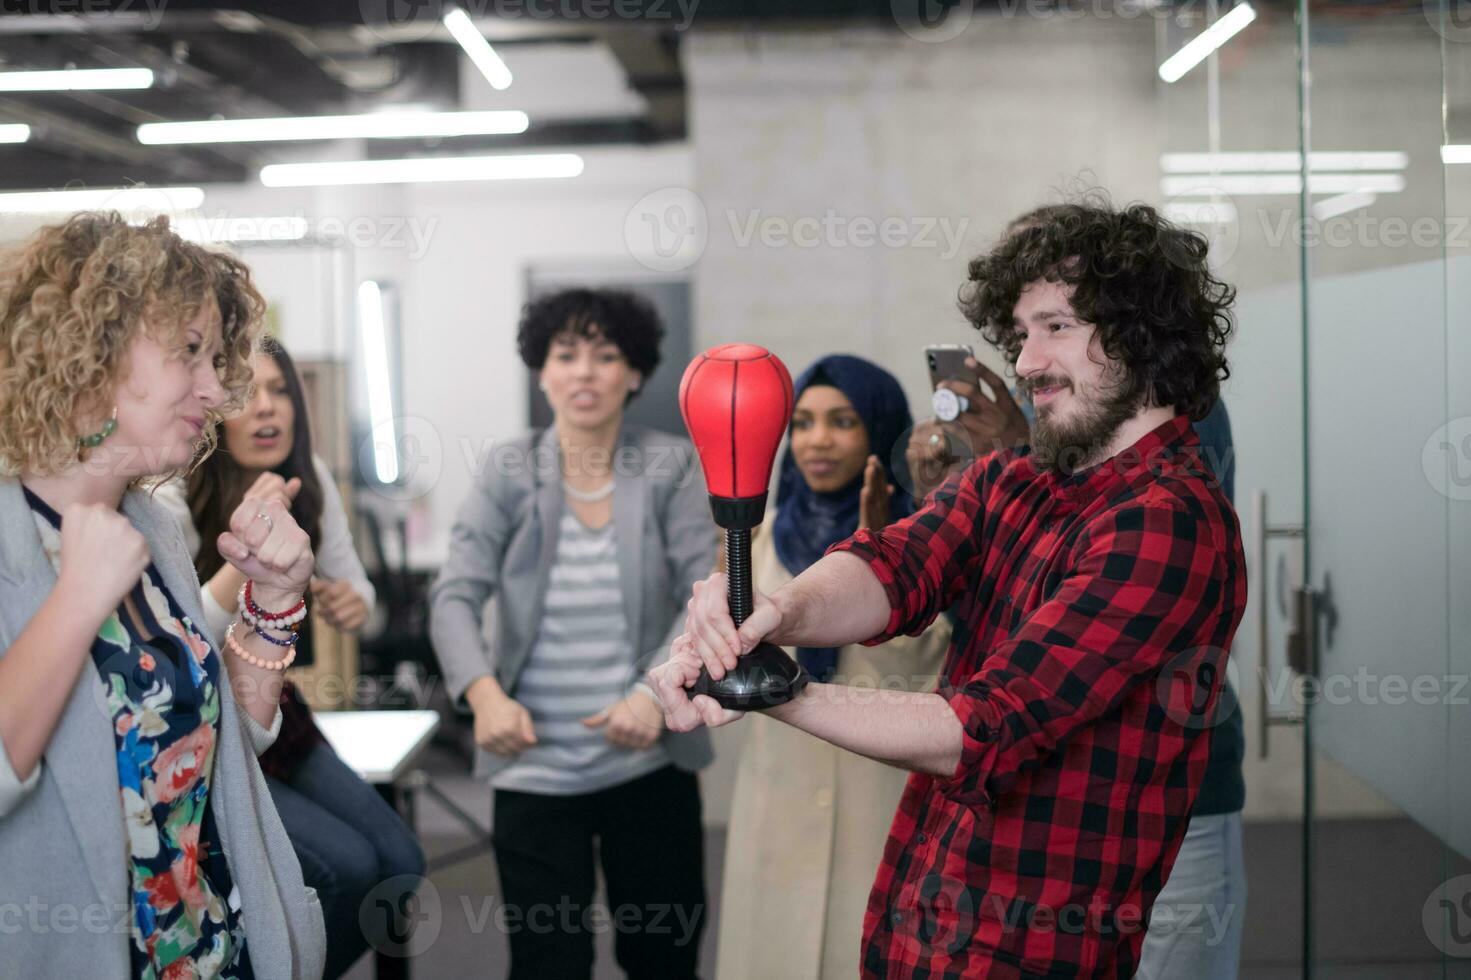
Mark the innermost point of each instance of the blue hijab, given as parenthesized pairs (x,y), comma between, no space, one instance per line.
(807,522)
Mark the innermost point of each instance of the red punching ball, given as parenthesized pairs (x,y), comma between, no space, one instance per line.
(736,400)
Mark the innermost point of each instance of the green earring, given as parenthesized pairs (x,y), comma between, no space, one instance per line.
(96,438)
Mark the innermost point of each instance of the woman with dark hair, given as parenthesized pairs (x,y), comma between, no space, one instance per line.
(809,820)
(130,798)
(268,437)
(269,446)
(347,838)
(589,536)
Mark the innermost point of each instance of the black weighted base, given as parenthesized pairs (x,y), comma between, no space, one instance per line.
(763,678)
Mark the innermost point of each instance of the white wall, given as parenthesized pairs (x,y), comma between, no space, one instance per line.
(860,125)
(458,254)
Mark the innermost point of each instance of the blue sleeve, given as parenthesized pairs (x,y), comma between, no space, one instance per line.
(1214,432)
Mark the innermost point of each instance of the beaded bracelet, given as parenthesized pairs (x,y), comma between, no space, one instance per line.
(290,617)
(258,624)
(259,616)
(285,644)
(233,645)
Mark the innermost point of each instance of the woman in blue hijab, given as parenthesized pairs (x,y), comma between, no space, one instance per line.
(840,457)
(809,821)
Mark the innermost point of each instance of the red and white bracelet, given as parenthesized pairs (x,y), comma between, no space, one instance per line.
(233,645)
(259,628)
(261,619)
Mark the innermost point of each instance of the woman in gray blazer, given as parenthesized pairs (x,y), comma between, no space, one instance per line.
(590,536)
(137,837)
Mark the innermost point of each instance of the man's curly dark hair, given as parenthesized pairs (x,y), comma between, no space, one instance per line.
(626,319)
(1143,281)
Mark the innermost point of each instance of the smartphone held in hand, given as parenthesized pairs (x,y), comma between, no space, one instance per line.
(946,362)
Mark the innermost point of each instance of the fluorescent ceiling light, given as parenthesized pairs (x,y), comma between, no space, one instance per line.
(1210,186)
(478,48)
(160,199)
(1455,153)
(14,133)
(374,338)
(284,228)
(1198,48)
(75,79)
(79,23)
(524,166)
(1332,207)
(1283,162)
(374,125)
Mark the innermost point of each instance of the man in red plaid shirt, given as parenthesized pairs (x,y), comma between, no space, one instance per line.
(1097,579)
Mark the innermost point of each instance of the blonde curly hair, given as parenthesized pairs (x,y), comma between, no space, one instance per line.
(72,300)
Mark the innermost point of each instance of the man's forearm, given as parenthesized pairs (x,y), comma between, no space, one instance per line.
(836,601)
(913,731)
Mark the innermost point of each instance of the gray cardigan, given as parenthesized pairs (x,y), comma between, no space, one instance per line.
(505,539)
(65,904)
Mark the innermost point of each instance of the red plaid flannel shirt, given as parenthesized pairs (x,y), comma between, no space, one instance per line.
(1095,615)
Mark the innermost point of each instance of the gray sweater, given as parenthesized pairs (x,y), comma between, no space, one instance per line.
(63,841)
(504,542)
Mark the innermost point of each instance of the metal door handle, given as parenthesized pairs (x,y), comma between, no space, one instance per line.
(1300,640)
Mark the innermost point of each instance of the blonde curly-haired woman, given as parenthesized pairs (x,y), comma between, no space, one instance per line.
(136,833)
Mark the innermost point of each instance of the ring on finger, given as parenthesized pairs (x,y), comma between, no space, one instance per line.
(261,515)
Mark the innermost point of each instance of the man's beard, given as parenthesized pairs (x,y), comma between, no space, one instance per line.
(1065,446)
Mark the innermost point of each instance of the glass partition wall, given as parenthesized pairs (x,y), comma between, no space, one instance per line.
(1319,148)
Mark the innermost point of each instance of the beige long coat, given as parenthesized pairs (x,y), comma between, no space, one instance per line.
(808,821)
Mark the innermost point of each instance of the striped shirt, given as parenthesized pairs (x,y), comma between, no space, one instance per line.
(582,662)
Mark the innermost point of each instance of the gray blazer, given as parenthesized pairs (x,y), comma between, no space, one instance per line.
(65,902)
(505,540)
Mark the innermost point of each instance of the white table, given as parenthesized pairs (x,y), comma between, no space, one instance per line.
(382,747)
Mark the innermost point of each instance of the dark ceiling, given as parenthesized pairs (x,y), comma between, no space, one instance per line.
(253,58)
(263,58)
